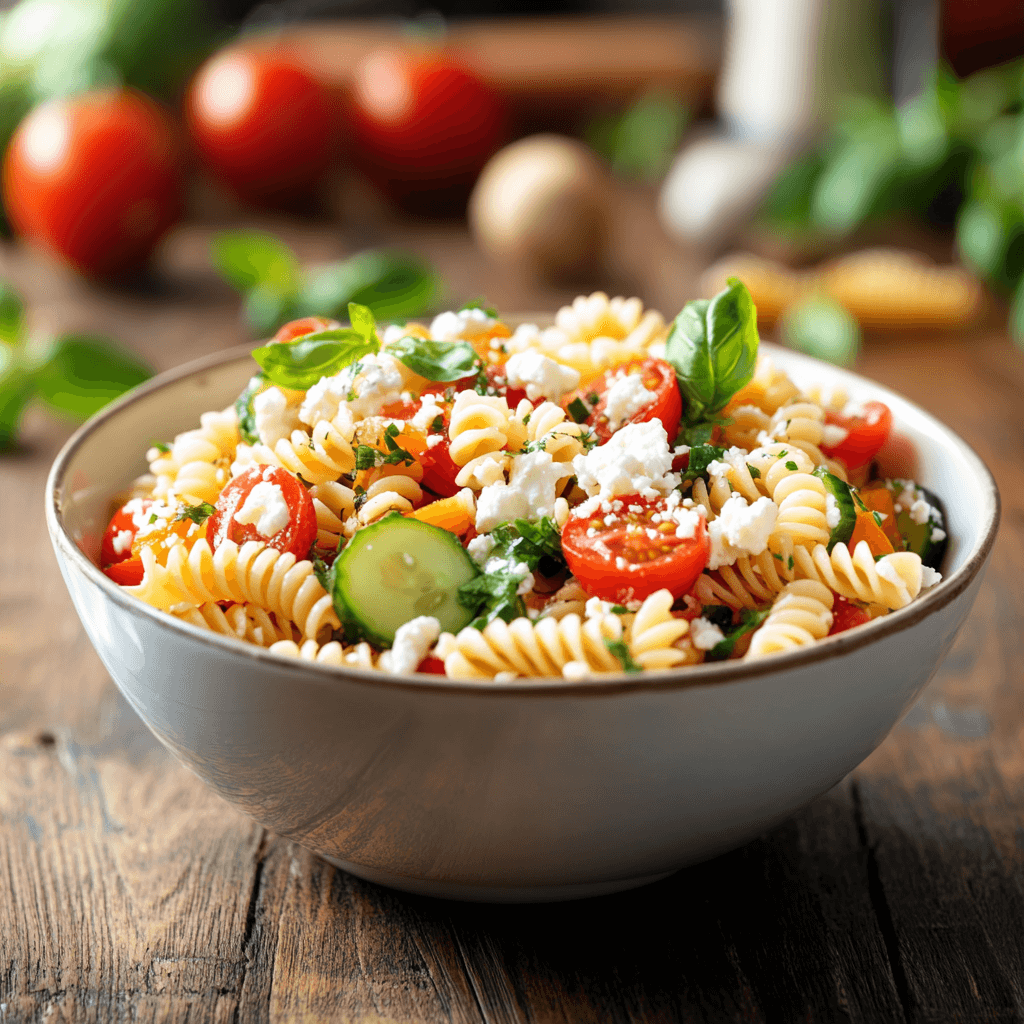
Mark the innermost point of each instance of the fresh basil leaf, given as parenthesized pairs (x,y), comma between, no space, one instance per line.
(395,286)
(822,328)
(246,259)
(363,322)
(436,360)
(578,410)
(16,390)
(750,619)
(481,304)
(696,434)
(12,315)
(713,347)
(492,596)
(366,456)
(701,456)
(245,411)
(321,570)
(81,374)
(301,363)
(197,513)
(621,651)
(529,542)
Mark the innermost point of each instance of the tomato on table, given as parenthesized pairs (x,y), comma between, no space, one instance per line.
(300,328)
(97,179)
(264,126)
(620,561)
(656,376)
(423,123)
(846,614)
(865,434)
(297,536)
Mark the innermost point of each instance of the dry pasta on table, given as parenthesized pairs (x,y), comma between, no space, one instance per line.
(613,493)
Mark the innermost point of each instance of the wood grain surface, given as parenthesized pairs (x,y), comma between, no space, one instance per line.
(129,892)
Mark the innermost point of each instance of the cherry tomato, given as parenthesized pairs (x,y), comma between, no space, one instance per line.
(264,126)
(128,573)
(620,561)
(657,376)
(297,536)
(439,472)
(865,434)
(846,615)
(122,521)
(423,123)
(96,179)
(300,328)
(431,666)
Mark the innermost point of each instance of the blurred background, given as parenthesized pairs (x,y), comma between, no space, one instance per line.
(182,176)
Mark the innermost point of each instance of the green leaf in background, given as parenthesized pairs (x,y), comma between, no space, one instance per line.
(300,364)
(16,390)
(395,286)
(789,202)
(244,408)
(246,259)
(12,315)
(266,309)
(713,347)
(1017,316)
(436,360)
(81,374)
(641,142)
(822,328)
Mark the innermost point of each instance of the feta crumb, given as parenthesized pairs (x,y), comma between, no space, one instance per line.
(365,387)
(854,411)
(540,375)
(413,640)
(274,419)
(427,413)
(741,529)
(434,440)
(704,634)
(575,670)
(625,398)
(920,512)
(832,513)
(480,548)
(929,576)
(620,563)
(265,508)
(833,435)
(937,535)
(122,541)
(595,608)
(465,325)
(530,493)
(637,459)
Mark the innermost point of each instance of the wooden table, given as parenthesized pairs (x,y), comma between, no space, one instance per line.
(128,891)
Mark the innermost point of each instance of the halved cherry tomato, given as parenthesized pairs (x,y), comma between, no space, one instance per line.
(439,472)
(128,573)
(865,434)
(299,534)
(656,375)
(846,615)
(616,557)
(299,328)
(122,521)
(431,666)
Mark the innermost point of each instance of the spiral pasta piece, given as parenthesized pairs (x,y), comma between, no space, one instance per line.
(479,424)
(747,426)
(324,456)
(654,634)
(333,503)
(892,582)
(547,427)
(769,389)
(243,621)
(196,466)
(331,653)
(802,424)
(801,614)
(253,574)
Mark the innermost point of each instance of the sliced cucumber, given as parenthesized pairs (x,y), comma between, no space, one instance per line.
(840,491)
(396,570)
(927,539)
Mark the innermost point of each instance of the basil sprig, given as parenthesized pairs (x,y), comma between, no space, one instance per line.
(245,410)
(299,364)
(436,360)
(713,348)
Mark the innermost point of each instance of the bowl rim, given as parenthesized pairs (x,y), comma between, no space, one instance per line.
(687,677)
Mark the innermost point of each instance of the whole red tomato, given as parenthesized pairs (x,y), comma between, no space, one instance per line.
(264,126)
(96,179)
(423,122)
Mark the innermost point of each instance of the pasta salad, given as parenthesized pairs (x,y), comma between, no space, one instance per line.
(612,493)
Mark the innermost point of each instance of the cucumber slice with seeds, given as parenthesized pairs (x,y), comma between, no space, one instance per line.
(840,491)
(398,569)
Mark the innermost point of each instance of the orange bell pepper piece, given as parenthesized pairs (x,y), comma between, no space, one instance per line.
(879,499)
(448,513)
(866,528)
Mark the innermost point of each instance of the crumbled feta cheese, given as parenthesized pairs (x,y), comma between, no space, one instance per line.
(575,670)
(704,634)
(540,375)
(480,548)
(434,440)
(427,413)
(529,494)
(465,325)
(920,512)
(625,398)
(833,435)
(854,411)
(741,529)
(366,386)
(122,541)
(595,608)
(274,418)
(526,585)
(937,535)
(265,508)
(620,563)
(929,576)
(636,459)
(413,641)
(832,513)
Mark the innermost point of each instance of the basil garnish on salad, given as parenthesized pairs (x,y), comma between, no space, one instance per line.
(442,361)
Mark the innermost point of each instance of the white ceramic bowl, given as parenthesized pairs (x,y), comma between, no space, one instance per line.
(534,790)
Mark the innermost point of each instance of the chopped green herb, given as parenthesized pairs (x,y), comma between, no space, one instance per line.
(620,609)
(755,473)
(878,519)
(578,411)
(791,466)
(480,303)
(197,513)
(593,398)
(438,424)
(701,456)
(790,564)
(152,519)
(621,651)
(366,457)
(162,446)
(750,619)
